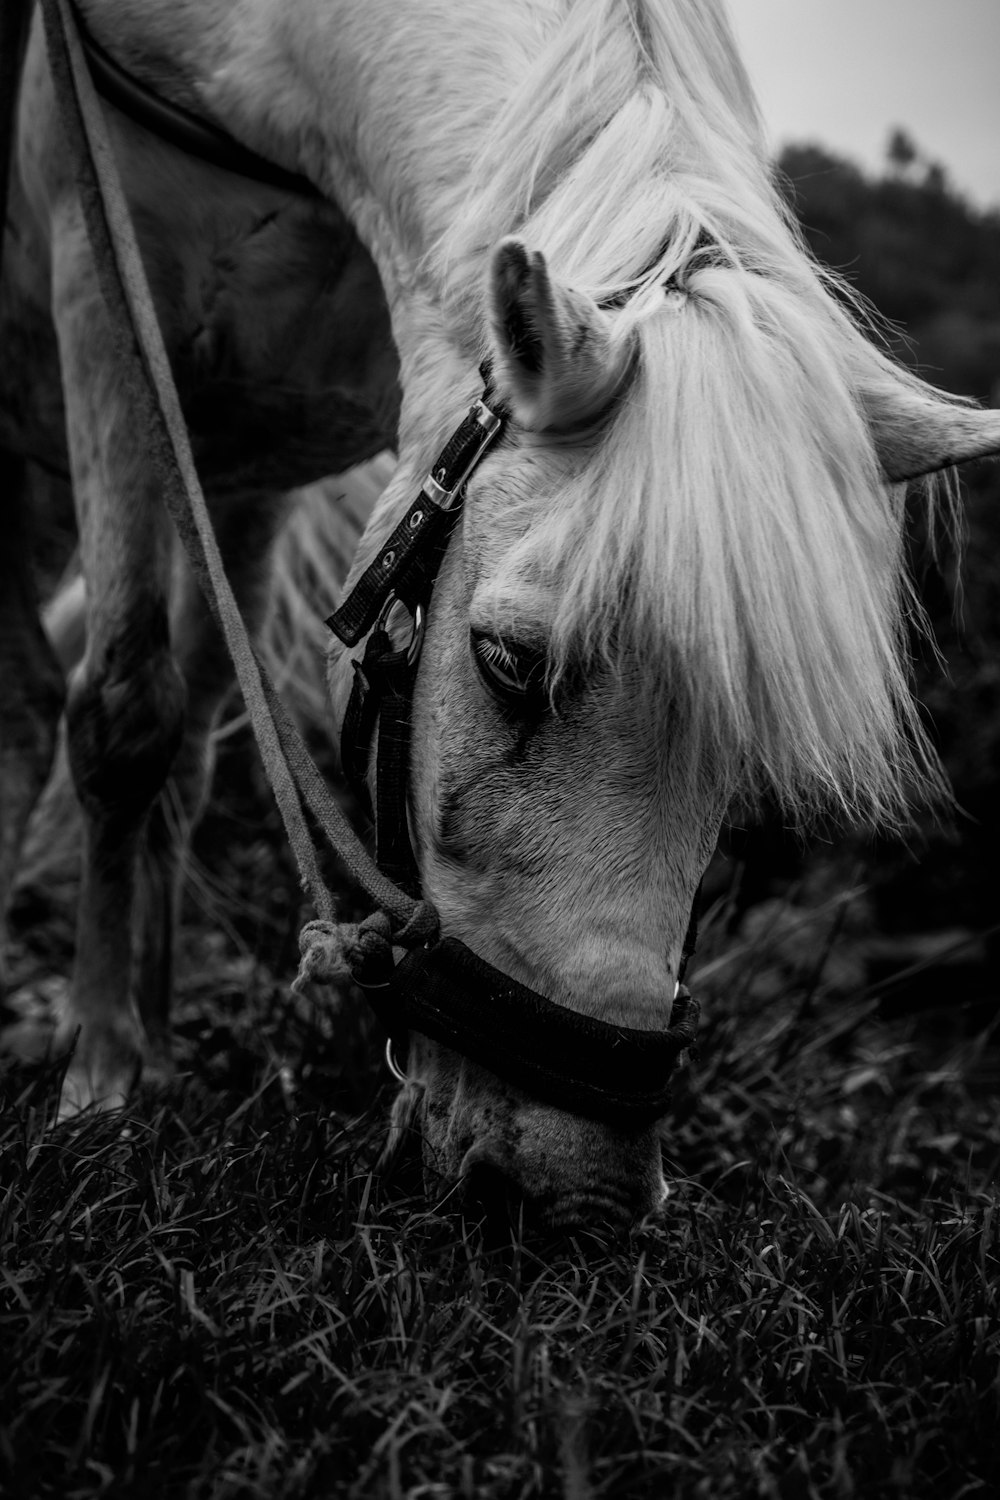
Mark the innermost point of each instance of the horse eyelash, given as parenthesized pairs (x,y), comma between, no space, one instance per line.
(493,651)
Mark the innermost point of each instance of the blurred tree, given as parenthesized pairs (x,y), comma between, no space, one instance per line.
(917,252)
(901,153)
(936,179)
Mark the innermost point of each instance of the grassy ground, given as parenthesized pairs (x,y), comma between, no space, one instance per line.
(215,1295)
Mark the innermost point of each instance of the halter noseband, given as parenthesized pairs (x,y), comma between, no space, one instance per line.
(445,991)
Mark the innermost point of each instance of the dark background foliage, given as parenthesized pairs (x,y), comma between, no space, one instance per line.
(929,264)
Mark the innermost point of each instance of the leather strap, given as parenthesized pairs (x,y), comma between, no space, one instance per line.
(409,561)
(391,675)
(405,566)
(587,1067)
(15,19)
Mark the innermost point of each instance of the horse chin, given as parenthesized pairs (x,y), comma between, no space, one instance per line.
(498,1156)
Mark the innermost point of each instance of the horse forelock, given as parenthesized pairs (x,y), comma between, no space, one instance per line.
(726,527)
(622,100)
(726,534)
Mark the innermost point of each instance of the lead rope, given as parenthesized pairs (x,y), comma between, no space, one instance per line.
(328,948)
(15,19)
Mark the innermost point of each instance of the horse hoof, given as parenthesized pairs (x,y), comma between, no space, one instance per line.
(80,1093)
(102,1072)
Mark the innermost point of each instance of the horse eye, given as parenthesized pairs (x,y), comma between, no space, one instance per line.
(513,672)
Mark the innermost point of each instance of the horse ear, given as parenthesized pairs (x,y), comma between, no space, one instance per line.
(916,435)
(554,350)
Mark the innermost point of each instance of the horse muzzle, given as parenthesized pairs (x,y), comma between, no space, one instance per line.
(612,1207)
(499,1155)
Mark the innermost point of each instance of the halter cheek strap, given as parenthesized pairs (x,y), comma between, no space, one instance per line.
(404,572)
(382,695)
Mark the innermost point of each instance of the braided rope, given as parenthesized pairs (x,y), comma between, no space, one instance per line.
(335,952)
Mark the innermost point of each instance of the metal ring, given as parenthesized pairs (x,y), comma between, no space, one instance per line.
(417,638)
(417,632)
(393,1065)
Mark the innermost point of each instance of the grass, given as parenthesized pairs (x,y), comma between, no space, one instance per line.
(214,1295)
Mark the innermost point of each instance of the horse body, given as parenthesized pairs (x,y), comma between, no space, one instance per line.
(271,309)
(688,536)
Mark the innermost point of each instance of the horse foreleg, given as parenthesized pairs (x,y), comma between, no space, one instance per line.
(33,688)
(246,529)
(126,700)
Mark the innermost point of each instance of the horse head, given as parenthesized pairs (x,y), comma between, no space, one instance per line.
(621,639)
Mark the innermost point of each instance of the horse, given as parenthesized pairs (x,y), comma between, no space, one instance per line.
(678,576)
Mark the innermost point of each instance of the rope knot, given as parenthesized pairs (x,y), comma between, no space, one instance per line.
(323,959)
(337,952)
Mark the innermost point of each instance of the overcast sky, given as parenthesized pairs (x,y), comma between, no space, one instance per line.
(845,72)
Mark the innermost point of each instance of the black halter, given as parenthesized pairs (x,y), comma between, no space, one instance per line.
(445,991)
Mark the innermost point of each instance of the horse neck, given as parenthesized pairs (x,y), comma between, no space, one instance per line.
(384,105)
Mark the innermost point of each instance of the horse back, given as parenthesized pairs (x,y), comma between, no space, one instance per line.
(272,311)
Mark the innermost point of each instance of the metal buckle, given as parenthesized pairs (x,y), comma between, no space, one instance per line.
(443,487)
(419,624)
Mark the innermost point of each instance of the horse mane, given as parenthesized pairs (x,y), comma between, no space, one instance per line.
(728,523)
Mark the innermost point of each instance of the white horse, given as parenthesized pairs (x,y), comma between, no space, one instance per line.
(677,580)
